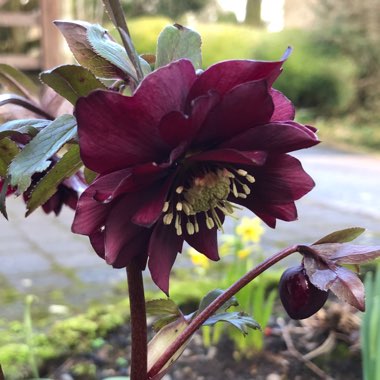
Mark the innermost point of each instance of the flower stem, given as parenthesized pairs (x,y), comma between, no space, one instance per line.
(138,322)
(116,14)
(197,322)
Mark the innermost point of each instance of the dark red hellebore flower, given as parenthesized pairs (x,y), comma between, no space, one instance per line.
(67,192)
(176,156)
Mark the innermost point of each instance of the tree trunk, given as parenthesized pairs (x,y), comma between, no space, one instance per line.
(253,13)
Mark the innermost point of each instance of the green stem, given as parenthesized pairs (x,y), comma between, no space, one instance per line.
(23,102)
(198,321)
(28,326)
(138,322)
(115,12)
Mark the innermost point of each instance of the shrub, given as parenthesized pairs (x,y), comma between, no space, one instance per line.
(316,77)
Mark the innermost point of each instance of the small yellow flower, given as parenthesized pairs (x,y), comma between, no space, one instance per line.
(250,229)
(226,248)
(199,259)
(243,253)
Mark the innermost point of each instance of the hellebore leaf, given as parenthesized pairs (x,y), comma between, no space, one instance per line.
(162,307)
(36,154)
(347,253)
(8,150)
(75,34)
(103,44)
(240,320)
(145,66)
(17,82)
(161,341)
(348,287)
(175,42)
(211,296)
(342,236)
(319,272)
(326,275)
(166,309)
(71,81)
(22,126)
(68,165)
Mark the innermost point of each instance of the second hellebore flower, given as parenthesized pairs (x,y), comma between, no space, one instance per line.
(176,156)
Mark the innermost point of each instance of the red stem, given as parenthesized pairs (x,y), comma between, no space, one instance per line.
(197,322)
(138,322)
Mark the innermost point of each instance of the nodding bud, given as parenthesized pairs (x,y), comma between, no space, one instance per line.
(300,298)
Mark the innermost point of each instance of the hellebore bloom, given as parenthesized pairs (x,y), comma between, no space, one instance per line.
(67,192)
(176,156)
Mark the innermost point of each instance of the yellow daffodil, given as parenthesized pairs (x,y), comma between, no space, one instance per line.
(250,230)
(243,253)
(199,259)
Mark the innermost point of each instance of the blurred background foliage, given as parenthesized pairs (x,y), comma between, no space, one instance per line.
(333,75)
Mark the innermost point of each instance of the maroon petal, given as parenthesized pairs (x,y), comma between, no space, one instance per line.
(231,156)
(224,76)
(177,127)
(281,180)
(70,198)
(174,128)
(241,108)
(274,137)
(90,213)
(135,179)
(97,242)
(163,248)
(270,212)
(117,131)
(54,204)
(205,241)
(136,249)
(119,229)
(283,107)
(149,213)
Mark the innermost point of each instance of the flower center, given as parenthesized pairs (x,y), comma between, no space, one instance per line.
(206,196)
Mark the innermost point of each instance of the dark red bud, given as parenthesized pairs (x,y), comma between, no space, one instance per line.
(299,296)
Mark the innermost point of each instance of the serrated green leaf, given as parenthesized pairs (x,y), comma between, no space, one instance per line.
(71,81)
(8,150)
(17,82)
(211,296)
(341,236)
(237,319)
(162,307)
(22,126)
(75,33)
(68,165)
(175,42)
(162,322)
(110,50)
(145,66)
(36,154)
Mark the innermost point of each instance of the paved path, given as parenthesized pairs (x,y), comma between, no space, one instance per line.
(39,255)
